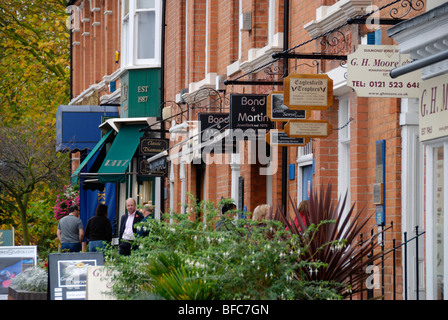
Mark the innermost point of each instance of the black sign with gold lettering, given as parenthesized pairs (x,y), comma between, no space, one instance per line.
(150,147)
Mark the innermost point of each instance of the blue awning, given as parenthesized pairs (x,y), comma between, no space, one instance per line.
(77,126)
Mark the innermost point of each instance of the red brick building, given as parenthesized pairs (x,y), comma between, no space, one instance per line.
(211,51)
(226,47)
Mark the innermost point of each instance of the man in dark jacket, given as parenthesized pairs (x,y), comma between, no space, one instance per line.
(127,229)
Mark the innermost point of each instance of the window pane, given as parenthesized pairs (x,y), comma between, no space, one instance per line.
(145,4)
(125,7)
(146,35)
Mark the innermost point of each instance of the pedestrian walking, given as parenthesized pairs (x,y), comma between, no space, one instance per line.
(70,231)
(99,229)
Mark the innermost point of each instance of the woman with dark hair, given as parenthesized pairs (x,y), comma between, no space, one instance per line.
(99,229)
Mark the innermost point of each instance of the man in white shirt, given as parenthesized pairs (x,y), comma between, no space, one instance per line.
(127,227)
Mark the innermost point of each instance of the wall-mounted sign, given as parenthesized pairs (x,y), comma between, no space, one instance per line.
(278,111)
(308,128)
(248,112)
(308,91)
(280,138)
(433,118)
(368,73)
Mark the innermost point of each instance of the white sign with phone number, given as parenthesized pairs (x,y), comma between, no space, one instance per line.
(368,73)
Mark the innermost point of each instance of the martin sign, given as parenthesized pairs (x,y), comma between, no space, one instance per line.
(248,113)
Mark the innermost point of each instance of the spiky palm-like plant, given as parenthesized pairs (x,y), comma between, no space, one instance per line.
(332,241)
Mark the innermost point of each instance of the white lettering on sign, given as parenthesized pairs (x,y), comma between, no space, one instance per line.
(252,118)
(142,89)
(116,163)
(245,101)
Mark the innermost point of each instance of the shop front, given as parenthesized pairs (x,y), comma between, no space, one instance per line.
(424,38)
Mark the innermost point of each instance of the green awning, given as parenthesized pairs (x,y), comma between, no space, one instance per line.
(75,176)
(120,154)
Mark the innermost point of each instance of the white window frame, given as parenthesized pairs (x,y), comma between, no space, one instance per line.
(431,232)
(344,151)
(129,36)
(271,21)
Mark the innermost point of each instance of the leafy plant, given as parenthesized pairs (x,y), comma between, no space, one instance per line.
(331,241)
(191,259)
(33,279)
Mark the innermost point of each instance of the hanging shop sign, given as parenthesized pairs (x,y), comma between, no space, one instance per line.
(278,111)
(308,91)
(368,73)
(152,146)
(248,113)
(308,128)
(149,147)
(280,138)
(212,126)
(433,115)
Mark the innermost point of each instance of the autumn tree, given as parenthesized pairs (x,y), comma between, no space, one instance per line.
(34,60)
(25,166)
(34,81)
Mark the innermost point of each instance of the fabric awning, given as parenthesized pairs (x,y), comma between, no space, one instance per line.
(120,155)
(71,135)
(75,176)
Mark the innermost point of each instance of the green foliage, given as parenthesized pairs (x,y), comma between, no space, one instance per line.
(34,60)
(190,259)
(34,64)
(330,236)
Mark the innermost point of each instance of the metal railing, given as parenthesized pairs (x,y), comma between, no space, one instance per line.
(391,253)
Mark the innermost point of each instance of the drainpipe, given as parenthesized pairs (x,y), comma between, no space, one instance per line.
(285,74)
(162,99)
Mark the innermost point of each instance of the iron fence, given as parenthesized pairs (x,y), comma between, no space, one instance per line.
(379,264)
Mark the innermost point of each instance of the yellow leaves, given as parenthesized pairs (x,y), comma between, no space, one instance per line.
(34,45)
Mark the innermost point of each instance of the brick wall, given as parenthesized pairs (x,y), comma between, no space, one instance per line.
(99,37)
